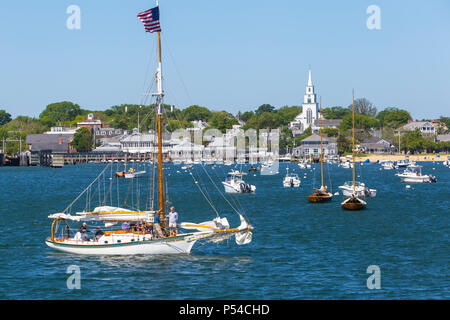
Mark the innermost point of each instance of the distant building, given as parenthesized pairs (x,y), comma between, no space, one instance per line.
(310,111)
(55,143)
(59,130)
(91,123)
(378,145)
(310,147)
(439,125)
(326,123)
(199,125)
(442,138)
(424,127)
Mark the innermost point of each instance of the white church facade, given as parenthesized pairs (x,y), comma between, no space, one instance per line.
(310,111)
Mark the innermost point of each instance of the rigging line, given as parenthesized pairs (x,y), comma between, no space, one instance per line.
(221,193)
(151,61)
(79,196)
(201,182)
(178,73)
(329,177)
(235,198)
(207,200)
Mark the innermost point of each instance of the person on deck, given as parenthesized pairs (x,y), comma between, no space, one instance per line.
(157,225)
(173,219)
(83,232)
(98,234)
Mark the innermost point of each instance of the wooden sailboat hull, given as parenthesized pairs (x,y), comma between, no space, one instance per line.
(353,204)
(317,198)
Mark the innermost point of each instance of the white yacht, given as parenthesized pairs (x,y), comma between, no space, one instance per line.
(235,184)
(361,189)
(413,173)
(291,180)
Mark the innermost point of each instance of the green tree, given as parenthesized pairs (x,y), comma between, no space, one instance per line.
(331,132)
(26,125)
(336,112)
(246,115)
(82,140)
(196,113)
(362,121)
(287,114)
(173,125)
(264,108)
(364,106)
(393,117)
(59,113)
(5,117)
(222,121)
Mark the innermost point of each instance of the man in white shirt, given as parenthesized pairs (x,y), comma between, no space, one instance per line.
(173,219)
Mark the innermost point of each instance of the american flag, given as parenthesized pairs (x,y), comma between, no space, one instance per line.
(150,19)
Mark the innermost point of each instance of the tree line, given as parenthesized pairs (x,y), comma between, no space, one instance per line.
(266,116)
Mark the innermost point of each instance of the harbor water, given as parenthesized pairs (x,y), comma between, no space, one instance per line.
(300,250)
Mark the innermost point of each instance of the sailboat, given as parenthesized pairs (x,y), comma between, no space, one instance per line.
(353,202)
(141,231)
(320,195)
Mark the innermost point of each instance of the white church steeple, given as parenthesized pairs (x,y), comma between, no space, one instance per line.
(310,108)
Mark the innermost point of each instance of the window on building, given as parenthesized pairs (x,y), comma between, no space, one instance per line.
(309,116)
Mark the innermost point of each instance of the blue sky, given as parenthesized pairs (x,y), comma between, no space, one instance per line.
(227,55)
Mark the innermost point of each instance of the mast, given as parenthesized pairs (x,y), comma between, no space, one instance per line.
(321,149)
(353,148)
(159,95)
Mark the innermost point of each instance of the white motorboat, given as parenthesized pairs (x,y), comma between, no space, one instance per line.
(304,165)
(413,173)
(346,165)
(291,180)
(403,163)
(234,183)
(388,165)
(361,190)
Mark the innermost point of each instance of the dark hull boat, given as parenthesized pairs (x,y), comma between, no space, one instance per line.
(353,203)
(319,196)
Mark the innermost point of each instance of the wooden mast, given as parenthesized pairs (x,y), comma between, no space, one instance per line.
(160,162)
(353,148)
(321,148)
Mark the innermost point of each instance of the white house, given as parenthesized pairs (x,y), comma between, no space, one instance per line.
(423,126)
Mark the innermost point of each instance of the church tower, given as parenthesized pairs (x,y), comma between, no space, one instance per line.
(310,109)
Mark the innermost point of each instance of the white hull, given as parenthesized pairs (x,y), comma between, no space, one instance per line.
(145,247)
(287,183)
(236,188)
(360,192)
(414,179)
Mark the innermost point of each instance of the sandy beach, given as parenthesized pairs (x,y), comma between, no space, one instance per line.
(419,157)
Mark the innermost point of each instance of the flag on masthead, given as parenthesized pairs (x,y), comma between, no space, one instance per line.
(150,19)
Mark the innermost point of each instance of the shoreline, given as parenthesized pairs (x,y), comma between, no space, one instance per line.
(392,157)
